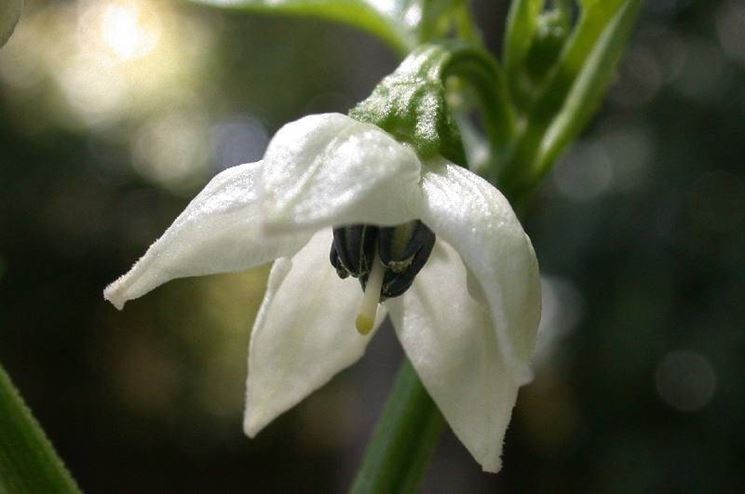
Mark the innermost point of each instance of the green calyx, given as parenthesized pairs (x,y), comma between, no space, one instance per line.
(411,103)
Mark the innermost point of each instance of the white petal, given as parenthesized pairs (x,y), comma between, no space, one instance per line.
(217,232)
(304,333)
(447,335)
(478,221)
(10,11)
(330,170)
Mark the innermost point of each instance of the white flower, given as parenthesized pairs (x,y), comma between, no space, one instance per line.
(468,323)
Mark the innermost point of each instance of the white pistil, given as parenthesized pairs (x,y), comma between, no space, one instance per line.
(369,306)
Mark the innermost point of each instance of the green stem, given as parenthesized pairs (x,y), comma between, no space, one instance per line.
(404,439)
(571,92)
(410,425)
(486,78)
(28,463)
(464,22)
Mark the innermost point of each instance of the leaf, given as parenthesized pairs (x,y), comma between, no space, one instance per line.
(28,461)
(571,90)
(522,22)
(590,81)
(402,24)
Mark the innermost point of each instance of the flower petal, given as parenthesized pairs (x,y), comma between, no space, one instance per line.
(478,221)
(304,333)
(447,335)
(329,169)
(217,232)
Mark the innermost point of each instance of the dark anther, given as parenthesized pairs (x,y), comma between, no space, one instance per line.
(334,258)
(353,250)
(403,250)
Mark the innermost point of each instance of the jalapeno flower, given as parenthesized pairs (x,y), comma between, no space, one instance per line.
(466,311)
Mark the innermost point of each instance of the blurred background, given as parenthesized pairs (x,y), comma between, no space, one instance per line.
(113,113)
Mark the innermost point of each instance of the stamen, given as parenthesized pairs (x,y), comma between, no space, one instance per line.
(369,306)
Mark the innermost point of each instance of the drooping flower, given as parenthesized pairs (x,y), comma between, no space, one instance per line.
(467,322)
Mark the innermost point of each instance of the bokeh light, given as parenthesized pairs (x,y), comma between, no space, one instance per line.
(129,29)
(129,63)
(685,380)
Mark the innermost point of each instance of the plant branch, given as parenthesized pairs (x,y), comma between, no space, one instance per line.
(404,439)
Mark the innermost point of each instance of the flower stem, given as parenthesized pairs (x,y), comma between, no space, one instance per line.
(28,462)
(404,439)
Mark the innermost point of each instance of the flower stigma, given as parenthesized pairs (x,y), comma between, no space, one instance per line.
(370,298)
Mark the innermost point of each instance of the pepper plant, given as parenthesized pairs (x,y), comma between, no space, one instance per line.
(394,196)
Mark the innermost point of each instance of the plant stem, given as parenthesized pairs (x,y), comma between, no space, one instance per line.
(571,93)
(408,430)
(464,22)
(485,76)
(404,439)
(28,462)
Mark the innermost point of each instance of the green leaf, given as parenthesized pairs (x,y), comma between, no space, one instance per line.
(28,463)
(522,22)
(590,83)
(402,24)
(535,36)
(572,90)
(553,28)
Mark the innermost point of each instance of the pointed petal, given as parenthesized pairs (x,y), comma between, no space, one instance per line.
(329,169)
(478,221)
(447,335)
(304,333)
(217,232)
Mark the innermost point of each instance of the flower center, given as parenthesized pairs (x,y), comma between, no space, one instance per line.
(385,260)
